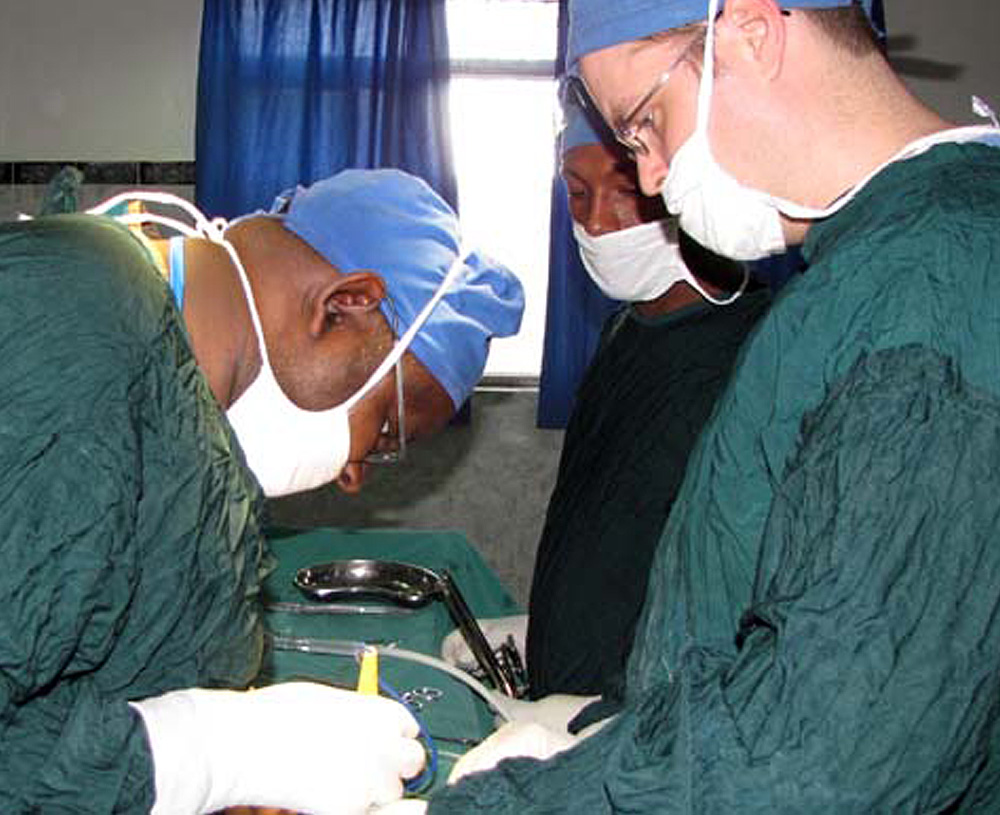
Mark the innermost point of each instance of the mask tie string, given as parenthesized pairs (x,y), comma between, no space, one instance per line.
(214,229)
(983,110)
(456,268)
(211,229)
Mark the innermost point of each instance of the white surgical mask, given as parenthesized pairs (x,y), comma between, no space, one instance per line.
(639,263)
(737,221)
(289,449)
(713,207)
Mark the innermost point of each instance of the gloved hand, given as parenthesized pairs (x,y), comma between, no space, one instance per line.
(511,740)
(553,712)
(495,629)
(300,746)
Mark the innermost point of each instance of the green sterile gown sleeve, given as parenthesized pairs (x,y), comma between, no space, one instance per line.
(822,624)
(129,539)
(640,407)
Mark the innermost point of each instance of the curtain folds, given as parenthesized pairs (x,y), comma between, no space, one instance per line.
(291,91)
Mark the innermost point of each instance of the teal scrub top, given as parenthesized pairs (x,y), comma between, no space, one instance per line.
(129,537)
(822,625)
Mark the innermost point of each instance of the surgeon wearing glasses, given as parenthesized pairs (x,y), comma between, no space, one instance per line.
(662,361)
(821,630)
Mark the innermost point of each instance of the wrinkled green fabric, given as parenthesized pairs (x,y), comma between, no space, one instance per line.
(822,625)
(129,541)
(639,409)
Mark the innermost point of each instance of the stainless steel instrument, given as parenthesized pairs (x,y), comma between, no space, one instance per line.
(410,586)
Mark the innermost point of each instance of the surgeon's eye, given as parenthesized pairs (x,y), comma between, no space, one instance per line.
(645,123)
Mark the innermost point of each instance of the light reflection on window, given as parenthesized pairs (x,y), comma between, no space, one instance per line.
(503,133)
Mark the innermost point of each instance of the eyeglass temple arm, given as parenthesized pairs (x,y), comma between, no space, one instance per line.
(400,409)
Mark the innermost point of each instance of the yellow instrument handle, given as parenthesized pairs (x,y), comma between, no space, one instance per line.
(368,675)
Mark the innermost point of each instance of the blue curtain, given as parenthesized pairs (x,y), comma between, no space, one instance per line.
(575,308)
(291,91)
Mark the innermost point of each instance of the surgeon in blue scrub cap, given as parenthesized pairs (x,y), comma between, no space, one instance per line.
(357,321)
(394,224)
(641,61)
(395,244)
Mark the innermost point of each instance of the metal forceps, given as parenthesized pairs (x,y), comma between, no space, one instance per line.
(409,586)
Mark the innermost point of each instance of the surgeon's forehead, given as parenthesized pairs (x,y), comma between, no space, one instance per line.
(617,77)
(596,162)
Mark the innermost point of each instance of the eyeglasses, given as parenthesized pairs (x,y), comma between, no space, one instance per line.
(629,128)
(391,449)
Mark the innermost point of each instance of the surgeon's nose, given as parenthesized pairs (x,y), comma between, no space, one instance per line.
(652,171)
(598,221)
(351,478)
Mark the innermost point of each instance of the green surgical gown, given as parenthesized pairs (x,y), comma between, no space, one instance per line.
(822,626)
(640,407)
(130,551)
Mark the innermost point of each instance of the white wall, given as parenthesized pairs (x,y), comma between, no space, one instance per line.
(963,34)
(98,80)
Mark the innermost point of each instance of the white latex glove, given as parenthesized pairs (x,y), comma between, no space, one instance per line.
(553,712)
(512,740)
(299,745)
(495,629)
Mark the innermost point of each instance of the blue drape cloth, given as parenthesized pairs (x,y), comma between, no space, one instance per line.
(575,309)
(292,91)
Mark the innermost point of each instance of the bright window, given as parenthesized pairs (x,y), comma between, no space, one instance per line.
(504,118)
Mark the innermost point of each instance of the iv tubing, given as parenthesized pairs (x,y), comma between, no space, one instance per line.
(350,648)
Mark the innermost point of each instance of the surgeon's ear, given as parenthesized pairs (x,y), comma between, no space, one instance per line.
(753,32)
(357,292)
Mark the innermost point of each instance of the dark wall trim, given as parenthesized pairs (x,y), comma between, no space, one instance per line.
(504,68)
(507,382)
(100,172)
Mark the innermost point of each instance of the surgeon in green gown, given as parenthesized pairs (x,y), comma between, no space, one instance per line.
(662,360)
(660,365)
(822,625)
(132,546)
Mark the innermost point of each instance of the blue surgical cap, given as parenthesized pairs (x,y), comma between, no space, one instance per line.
(597,24)
(394,224)
(582,124)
